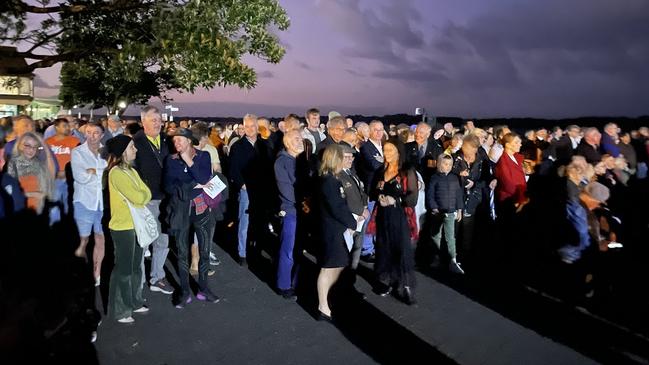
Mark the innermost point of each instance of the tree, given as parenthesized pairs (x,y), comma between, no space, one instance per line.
(181,44)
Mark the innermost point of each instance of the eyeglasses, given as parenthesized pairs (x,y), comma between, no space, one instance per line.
(32,147)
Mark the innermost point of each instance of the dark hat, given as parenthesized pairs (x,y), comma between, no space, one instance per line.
(117,145)
(184,132)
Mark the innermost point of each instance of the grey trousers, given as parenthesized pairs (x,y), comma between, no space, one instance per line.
(160,248)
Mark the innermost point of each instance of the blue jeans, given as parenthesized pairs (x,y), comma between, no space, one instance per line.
(62,194)
(285,273)
(244,221)
(368,239)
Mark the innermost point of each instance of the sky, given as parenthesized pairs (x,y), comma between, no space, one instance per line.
(464,58)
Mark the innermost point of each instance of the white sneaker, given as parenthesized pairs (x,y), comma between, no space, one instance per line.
(142,309)
(455,268)
(147,253)
(126,320)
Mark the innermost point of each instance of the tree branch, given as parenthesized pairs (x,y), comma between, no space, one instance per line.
(77,8)
(45,40)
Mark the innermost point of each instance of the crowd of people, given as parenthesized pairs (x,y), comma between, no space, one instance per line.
(344,192)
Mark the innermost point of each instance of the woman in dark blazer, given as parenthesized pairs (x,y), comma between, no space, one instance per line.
(335,218)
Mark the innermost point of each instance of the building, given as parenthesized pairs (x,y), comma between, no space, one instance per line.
(16,89)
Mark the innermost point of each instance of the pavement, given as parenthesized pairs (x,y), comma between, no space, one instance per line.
(253,325)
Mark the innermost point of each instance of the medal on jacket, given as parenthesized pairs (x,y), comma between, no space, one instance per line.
(342,192)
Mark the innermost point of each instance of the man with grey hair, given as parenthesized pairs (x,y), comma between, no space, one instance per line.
(250,177)
(152,149)
(610,139)
(423,151)
(363,131)
(335,130)
(589,146)
(113,128)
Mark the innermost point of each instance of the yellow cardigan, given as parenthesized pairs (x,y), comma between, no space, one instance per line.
(130,185)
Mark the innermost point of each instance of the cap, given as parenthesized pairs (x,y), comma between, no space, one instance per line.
(184,132)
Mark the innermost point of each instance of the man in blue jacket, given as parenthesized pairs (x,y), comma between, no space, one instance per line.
(285,176)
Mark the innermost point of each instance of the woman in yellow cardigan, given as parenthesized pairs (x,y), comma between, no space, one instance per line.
(125,294)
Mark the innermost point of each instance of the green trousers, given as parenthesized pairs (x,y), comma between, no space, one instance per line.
(125,293)
(446,223)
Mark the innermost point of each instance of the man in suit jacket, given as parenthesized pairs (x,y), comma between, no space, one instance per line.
(589,146)
(371,160)
(152,149)
(251,177)
(564,148)
(422,154)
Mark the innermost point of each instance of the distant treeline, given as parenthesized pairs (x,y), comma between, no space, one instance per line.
(625,123)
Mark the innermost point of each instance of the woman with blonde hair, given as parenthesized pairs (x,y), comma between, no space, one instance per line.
(335,219)
(32,164)
(125,187)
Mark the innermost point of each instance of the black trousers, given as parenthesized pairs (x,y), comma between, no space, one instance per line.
(201,225)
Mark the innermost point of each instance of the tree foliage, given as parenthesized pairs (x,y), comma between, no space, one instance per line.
(152,45)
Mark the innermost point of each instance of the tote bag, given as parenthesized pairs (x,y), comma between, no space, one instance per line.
(146,226)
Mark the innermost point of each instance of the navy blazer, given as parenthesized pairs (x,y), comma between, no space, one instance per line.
(368,165)
(335,216)
(149,162)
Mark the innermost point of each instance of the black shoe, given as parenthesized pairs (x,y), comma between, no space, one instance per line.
(288,294)
(324,318)
(242,262)
(409,296)
(384,291)
(355,294)
(370,259)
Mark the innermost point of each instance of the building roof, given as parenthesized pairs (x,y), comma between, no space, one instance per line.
(10,65)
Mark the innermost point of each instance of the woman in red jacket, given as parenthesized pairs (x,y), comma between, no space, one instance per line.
(512,186)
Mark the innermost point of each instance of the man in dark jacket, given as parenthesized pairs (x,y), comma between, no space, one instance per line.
(589,146)
(422,153)
(152,149)
(250,174)
(444,200)
(371,160)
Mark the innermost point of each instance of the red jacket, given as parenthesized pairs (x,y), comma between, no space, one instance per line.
(511,178)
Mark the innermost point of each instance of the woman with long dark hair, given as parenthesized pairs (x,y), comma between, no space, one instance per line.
(395,191)
(125,187)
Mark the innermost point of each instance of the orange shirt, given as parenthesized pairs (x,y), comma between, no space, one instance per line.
(62,149)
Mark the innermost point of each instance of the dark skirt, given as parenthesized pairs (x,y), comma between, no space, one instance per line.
(395,259)
(334,255)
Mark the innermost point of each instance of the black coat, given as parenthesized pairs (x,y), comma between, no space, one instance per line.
(149,162)
(335,215)
(444,193)
(368,165)
(354,193)
(591,153)
(251,165)
(427,165)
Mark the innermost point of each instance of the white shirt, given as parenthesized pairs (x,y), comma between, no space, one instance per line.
(496,151)
(87,187)
(378,146)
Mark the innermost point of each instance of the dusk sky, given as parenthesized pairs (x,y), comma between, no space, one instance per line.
(465,58)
